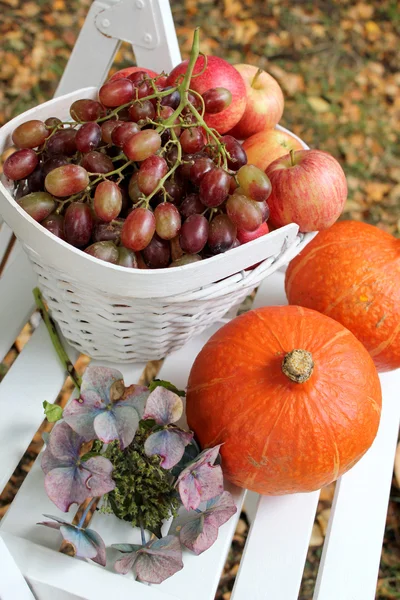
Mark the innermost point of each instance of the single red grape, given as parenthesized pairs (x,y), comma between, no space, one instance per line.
(88,137)
(138,229)
(194,233)
(216,100)
(97,162)
(200,167)
(245,213)
(123,132)
(62,142)
(78,224)
(168,220)
(38,205)
(254,183)
(53,163)
(86,110)
(221,234)
(55,224)
(30,134)
(238,156)
(192,140)
(117,92)
(157,254)
(191,205)
(66,180)
(35,180)
(172,99)
(186,259)
(107,202)
(133,189)
(106,251)
(127,258)
(53,122)
(105,232)
(174,190)
(20,164)
(214,187)
(142,110)
(142,145)
(151,171)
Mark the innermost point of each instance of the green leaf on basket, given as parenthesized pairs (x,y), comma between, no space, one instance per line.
(53,412)
(165,384)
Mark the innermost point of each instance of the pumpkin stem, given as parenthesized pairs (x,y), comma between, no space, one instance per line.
(298,365)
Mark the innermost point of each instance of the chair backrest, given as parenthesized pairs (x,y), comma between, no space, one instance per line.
(146,24)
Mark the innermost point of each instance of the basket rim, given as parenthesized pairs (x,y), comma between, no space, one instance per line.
(20,220)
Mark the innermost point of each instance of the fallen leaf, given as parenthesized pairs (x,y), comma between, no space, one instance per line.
(323,520)
(318,104)
(397,466)
(316,536)
(376,190)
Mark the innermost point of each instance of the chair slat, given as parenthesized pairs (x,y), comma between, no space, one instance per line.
(16,299)
(12,582)
(350,559)
(273,561)
(36,375)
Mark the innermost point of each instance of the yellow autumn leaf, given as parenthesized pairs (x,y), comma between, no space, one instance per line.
(318,104)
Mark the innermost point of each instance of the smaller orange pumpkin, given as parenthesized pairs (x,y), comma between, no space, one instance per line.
(351,272)
(292,395)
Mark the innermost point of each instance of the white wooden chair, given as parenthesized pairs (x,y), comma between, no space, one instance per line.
(276,548)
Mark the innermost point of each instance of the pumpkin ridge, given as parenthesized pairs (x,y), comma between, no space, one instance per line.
(337,336)
(385,344)
(273,334)
(266,444)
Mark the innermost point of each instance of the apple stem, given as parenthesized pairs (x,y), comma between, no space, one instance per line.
(292,157)
(256,76)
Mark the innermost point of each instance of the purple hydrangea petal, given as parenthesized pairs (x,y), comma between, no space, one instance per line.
(125,564)
(57,519)
(66,485)
(136,396)
(80,414)
(126,547)
(50,524)
(86,542)
(163,406)
(200,481)
(169,444)
(64,443)
(159,560)
(97,381)
(99,481)
(220,509)
(50,462)
(198,535)
(119,423)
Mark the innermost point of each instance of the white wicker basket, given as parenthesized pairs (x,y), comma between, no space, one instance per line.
(129,315)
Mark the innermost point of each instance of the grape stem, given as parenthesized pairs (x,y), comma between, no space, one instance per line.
(58,347)
(160,184)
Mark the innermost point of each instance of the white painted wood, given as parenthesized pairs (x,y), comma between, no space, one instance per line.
(12,583)
(71,579)
(91,57)
(166,55)
(273,560)
(350,560)
(35,376)
(16,299)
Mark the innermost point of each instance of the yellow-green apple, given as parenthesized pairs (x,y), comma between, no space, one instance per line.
(264,102)
(266,146)
(308,188)
(217,74)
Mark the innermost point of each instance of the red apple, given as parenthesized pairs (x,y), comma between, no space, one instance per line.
(266,146)
(264,102)
(308,188)
(218,73)
(248,236)
(129,70)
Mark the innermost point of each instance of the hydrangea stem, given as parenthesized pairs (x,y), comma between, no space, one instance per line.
(58,347)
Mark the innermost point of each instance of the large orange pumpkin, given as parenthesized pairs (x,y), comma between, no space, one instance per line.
(292,395)
(351,272)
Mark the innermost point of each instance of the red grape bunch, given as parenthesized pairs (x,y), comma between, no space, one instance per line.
(137,178)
